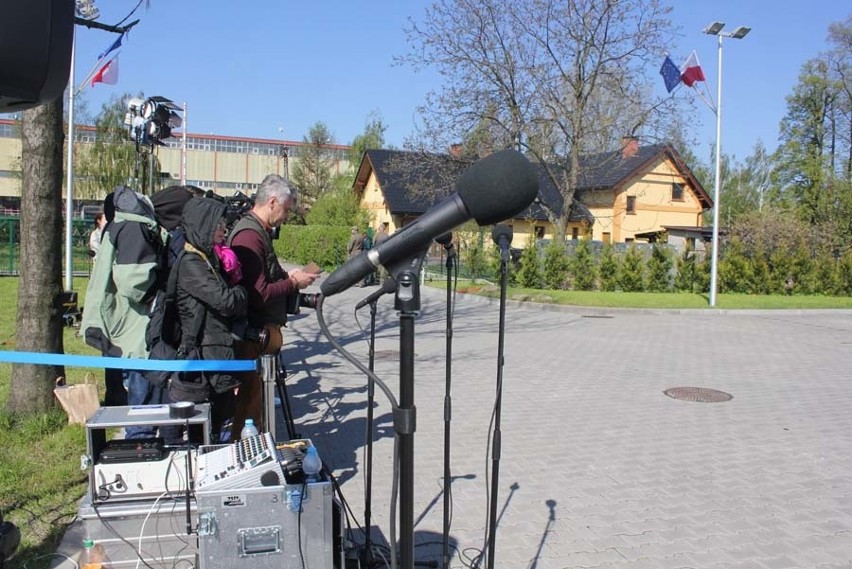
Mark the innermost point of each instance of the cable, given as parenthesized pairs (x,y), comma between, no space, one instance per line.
(76,566)
(299,521)
(107,525)
(142,529)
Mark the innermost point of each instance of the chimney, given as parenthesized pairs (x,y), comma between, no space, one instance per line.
(629,146)
(456,150)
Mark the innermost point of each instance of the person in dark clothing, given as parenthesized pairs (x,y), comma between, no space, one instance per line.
(204,295)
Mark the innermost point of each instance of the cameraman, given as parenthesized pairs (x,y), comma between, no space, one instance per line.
(269,286)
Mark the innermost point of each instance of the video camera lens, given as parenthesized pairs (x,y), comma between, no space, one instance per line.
(301,300)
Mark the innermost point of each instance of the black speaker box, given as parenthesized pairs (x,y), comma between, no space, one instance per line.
(35,51)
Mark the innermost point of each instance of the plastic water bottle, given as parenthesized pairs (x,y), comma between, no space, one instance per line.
(311,465)
(94,556)
(249,430)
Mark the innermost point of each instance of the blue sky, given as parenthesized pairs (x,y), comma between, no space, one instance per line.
(272,68)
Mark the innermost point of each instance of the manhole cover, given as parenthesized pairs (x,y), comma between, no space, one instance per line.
(388,354)
(698,394)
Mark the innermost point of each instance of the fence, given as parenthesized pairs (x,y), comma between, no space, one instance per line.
(10,232)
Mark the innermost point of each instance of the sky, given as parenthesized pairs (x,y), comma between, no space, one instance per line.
(273,68)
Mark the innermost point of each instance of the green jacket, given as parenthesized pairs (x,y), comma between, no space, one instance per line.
(125,278)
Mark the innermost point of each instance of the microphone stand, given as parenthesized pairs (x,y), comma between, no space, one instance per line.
(496,439)
(371,390)
(407,303)
(448,480)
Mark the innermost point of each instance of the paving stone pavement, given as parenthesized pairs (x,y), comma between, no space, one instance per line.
(599,468)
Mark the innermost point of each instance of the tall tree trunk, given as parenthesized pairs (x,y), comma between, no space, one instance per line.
(39,320)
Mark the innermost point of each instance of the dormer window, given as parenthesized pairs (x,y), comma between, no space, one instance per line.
(677,192)
(631,204)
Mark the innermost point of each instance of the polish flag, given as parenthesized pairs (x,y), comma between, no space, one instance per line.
(690,71)
(107,74)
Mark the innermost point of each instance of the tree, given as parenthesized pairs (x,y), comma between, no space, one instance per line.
(312,173)
(529,273)
(38,322)
(659,269)
(556,265)
(372,137)
(555,80)
(338,207)
(631,274)
(815,157)
(609,268)
(583,268)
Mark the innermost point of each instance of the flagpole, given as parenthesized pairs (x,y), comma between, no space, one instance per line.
(183,149)
(69,173)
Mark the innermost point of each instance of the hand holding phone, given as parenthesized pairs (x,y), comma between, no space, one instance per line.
(312,268)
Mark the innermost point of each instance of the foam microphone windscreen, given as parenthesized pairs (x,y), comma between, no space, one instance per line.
(498,186)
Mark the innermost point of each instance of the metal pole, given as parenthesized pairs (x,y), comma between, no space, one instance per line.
(715,258)
(183,149)
(69,177)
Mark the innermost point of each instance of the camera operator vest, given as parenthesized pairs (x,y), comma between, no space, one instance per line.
(274,311)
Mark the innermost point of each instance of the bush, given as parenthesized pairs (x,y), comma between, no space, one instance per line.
(529,273)
(556,265)
(685,277)
(608,269)
(735,269)
(324,245)
(631,275)
(583,267)
(659,269)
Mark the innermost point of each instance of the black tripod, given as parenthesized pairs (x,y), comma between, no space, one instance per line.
(281,389)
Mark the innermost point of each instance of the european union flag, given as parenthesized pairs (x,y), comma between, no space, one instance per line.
(670,73)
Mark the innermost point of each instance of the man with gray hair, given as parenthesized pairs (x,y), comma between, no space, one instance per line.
(267,283)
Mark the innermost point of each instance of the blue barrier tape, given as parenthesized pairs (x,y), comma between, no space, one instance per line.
(39,358)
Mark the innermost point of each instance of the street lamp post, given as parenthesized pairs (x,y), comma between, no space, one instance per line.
(715,29)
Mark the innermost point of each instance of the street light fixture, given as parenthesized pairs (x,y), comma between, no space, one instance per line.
(715,29)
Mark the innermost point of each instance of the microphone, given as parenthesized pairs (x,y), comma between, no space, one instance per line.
(502,236)
(387,286)
(492,189)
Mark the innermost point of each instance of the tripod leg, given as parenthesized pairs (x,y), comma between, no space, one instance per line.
(285,403)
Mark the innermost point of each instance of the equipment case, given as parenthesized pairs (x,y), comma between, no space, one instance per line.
(156,528)
(261,528)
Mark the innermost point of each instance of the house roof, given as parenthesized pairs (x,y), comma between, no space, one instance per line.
(412,182)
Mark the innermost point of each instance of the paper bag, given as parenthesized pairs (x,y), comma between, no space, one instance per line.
(80,401)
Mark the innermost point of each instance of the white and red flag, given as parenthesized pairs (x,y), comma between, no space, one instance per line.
(690,71)
(107,74)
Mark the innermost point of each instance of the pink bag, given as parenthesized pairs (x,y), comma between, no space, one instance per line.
(230,263)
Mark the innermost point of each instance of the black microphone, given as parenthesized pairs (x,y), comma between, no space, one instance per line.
(492,189)
(387,286)
(502,236)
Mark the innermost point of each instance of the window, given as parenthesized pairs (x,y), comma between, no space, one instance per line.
(607,237)
(539,232)
(575,233)
(677,192)
(631,204)
(629,240)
